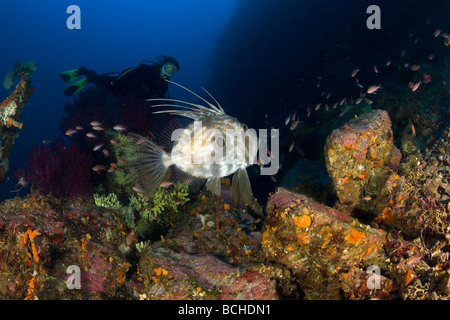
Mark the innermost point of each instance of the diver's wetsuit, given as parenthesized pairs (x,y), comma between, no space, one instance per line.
(144,81)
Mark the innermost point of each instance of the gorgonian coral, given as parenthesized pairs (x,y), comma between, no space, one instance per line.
(60,170)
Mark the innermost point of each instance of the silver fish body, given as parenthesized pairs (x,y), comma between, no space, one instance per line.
(215,145)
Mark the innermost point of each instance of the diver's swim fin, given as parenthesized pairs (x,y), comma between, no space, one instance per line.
(76,87)
(69,75)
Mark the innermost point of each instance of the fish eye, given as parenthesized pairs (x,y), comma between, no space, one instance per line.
(244,126)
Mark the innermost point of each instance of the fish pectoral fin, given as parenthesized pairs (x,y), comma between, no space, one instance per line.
(241,188)
(213,185)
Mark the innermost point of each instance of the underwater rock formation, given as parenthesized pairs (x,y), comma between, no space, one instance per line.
(416,200)
(322,247)
(42,236)
(334,256)
(200,276)
(358,157)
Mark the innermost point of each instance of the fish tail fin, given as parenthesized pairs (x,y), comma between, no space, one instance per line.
(241,189)
(213,185)
(149,164)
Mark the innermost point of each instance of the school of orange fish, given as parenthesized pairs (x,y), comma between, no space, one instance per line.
(371,89)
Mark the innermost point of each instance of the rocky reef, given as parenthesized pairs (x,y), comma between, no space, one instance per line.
(387,237)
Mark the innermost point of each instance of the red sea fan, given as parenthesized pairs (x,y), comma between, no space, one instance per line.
(63,171)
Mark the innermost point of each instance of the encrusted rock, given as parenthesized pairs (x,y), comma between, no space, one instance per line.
(358,156)
(40,237)
(166,274)
(328,252)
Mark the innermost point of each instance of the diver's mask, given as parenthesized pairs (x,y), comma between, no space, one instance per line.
(168,70)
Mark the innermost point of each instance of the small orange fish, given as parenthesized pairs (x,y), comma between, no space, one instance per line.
(368,101)
(291,147)
(368,198)
(137,189)
(97,128)
(294,125)
(354,72)
(342,102)
(95,123)
(98,168)
(335,105)
(286,121)
(375,69)
(165,184)
(426,78)
(70,132)
(437,32)
(79,128)
(358,101)
(388,63)
(413,130)
(119,127)
(90,135)
(317,107)
(415,67)
(431,57)
(413,260)
(106,152)
(114,142)
(97,147)
(373,89)
(416,86)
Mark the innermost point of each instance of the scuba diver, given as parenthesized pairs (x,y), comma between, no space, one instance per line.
(147,80)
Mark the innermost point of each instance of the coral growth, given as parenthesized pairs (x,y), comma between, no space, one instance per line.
(148,215)
(63,171)
(10,110)
(359,156)
(19,68)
